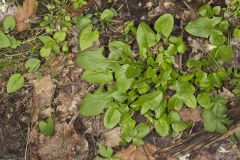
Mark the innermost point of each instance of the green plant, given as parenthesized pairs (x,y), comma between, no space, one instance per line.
(88,37)
(108,14)
(132,83)
(236,32)
(15,82)
(78,3)
(106,153)
(137,85)
(234,8)
(53,45)
(47,127)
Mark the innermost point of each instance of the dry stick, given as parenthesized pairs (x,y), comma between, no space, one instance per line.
(229,133)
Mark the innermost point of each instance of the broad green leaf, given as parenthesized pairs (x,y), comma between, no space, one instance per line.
(45,39)
(206,10)
(164,25)
(190,101)
(138,141)
(180,45)
(88,37)
(122,82)
(60,36)
(193,63)
(175,102)
(204,100)
(212,124)
(133,71)
(92,60)
(215,80)
(225,52)
(202,80)
(215,118)
(217,10)
(217,38)
(179,126)
(119,49)
(94,104)
(82,21)
(98,76)
(32,65)
(162,127)
(148,98)
(202,26)
(105,151)
(5,42)
(146,38)
(142,130)
(108,14)
(184,89)
(47,128)
(45,51)
(173,117)
(15,82)
(236,32)
(9,23)
(224,25)
(112,117)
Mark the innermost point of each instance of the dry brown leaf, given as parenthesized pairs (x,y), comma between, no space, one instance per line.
(144,152)
(227,94)
(22,16)
(112,138)
(188,114)
(44,90)
(65,144)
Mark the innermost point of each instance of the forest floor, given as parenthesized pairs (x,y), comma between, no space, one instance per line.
(61,89)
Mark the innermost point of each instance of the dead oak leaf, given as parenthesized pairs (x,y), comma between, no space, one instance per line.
(22,16)
(144,152)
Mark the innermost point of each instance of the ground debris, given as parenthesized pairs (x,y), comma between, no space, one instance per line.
(23,15)
(44,90)
(144,152)
(65,144)
(188,114)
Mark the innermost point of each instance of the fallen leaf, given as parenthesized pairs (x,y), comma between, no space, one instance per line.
(112,138)
(23,15)
(44,90)
(227,94)
(65,144)
(144,152)
(188,114)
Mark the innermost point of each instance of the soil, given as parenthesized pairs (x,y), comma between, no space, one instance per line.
(16,109)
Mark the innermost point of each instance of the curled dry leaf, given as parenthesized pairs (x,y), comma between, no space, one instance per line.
(188,114)
(144,152)
(23,15)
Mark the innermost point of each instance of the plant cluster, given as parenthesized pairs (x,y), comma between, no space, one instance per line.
(234,8)
(150,82)
(131,83)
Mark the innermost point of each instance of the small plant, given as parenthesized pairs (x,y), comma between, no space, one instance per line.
(47,127)
(78,3)
(234,7)
(106,153)
(53,45)
(108,14)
